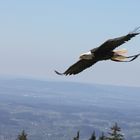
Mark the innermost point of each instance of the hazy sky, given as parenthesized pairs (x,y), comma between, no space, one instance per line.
(39,36)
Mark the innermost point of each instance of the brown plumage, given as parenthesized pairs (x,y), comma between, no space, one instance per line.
(103,52)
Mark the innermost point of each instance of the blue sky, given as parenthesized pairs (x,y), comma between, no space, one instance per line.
(37,37)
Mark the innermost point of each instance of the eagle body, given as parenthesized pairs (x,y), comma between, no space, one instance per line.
(105,51)
(96,55)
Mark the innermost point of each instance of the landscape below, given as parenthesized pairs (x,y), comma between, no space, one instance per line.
(50,110)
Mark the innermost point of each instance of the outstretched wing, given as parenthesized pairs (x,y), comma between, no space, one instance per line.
(78,67)
(111,44)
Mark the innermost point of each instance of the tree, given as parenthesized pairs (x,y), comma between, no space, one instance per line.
(22,136)
(115,133)
(102,137)
(93,136)
(77,137)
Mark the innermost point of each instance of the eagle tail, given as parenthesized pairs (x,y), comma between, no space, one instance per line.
(118,55)
(120,59)
(120,52)
(58,73)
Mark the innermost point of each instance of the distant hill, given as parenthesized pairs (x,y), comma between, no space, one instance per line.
(56,110)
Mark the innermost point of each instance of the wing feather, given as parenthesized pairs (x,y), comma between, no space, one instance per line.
(111,44)
(78,67)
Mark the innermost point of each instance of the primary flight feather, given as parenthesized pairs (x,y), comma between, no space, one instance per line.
(103,52)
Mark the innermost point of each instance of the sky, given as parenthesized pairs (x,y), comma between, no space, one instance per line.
(39,36)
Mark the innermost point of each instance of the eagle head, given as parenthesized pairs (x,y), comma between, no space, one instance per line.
(86,56)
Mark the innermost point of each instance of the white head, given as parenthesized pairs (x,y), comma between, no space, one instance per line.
(86,56)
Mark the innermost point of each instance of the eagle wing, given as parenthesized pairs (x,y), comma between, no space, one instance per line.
(78,67)
(111,44)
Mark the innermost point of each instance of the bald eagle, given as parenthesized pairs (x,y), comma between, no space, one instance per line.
(104,52)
